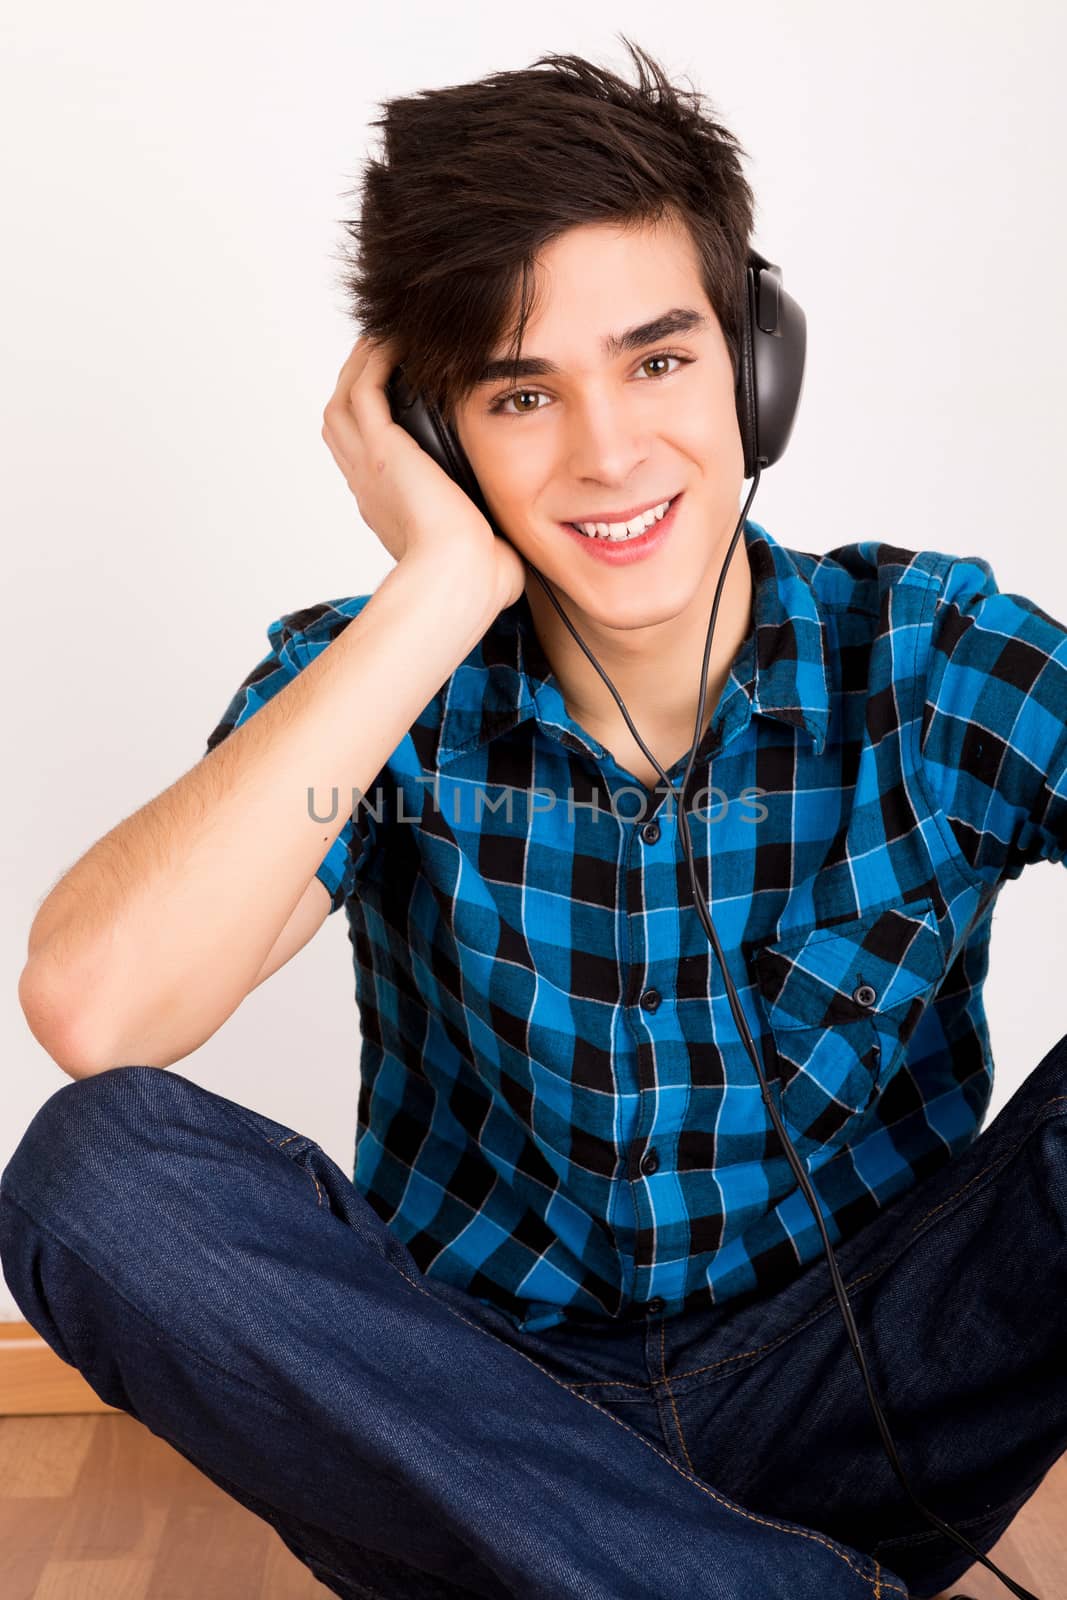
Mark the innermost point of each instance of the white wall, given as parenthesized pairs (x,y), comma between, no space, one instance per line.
(172,181)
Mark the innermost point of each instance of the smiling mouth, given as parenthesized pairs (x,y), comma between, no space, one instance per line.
(621,532)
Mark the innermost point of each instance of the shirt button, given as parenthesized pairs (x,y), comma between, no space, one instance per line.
(649,1161)
(864,995)
(650,999)
(650,832)
(655,1305)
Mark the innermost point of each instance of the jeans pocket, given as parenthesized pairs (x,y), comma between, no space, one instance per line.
(335,1192)
(930,1562)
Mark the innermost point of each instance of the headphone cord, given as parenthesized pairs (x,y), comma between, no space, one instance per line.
(742,1026)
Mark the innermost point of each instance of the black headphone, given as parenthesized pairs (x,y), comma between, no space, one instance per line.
(770,378)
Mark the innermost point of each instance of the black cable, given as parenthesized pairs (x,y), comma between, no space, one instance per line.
(742,1026)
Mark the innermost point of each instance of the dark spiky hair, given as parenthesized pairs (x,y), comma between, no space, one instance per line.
(476,178)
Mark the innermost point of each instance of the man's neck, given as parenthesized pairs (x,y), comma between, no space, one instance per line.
(656,670)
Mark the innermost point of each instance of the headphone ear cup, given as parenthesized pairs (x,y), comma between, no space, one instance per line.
(457,465)
(423,420)
(775,343)
(745,393)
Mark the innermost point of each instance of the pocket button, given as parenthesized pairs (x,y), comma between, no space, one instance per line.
(864,995)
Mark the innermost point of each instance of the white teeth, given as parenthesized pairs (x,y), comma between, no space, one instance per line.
(623,530)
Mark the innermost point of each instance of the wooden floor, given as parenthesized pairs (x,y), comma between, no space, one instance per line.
(99,1508)
(96,1507)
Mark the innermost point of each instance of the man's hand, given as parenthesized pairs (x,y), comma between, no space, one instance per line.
(409,502)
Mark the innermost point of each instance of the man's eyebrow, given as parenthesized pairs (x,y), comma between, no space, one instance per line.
(682,319)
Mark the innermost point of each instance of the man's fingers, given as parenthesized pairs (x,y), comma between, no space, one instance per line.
(355,361)
(368,402)
(337,414)
(358,405)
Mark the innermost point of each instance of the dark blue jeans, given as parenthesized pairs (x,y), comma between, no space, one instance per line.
(214,1274)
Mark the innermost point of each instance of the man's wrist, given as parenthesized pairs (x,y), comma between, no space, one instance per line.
(469,600)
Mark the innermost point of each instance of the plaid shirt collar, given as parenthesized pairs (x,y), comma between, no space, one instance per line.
(507,677)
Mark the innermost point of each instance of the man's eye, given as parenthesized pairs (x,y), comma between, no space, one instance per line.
(503,400)
(516,394)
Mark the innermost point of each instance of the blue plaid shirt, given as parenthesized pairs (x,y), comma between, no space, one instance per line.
(556,1110)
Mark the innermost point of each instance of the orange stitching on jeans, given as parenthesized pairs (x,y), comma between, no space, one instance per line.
(984,1170)
(772,1343)
(962,1190)
(288,1140)
(769,1522)
(725,1360)
(670,1396)
(759,1349)
(609,1383)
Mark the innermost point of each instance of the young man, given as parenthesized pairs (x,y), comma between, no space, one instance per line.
(562,1143)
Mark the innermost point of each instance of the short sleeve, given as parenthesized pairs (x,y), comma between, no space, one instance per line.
(994,722)
(295,639)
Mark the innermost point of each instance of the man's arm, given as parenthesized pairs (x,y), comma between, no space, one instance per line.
(310,913)
(154,937)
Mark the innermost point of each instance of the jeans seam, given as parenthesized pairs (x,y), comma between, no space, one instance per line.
(670,1395)
(765,1349)
(877,1582)
(925,1535)
(276,1144)
(1000,1161)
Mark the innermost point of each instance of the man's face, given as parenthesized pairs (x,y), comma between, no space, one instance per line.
(609,432)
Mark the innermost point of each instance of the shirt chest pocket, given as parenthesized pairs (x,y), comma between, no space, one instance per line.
(841,1004)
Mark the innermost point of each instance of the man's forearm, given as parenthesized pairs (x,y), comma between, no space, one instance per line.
(153,938)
